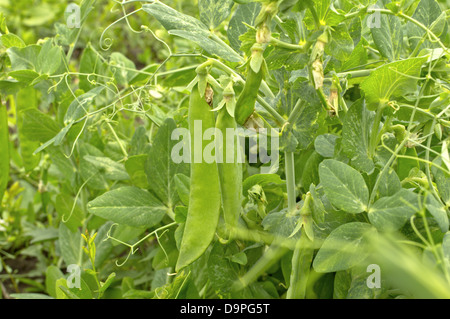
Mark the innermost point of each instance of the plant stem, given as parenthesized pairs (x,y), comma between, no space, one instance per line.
(290,181)
(270,257)
(286,45)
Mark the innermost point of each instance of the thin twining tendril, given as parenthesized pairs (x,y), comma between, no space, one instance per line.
(75,200)
(108,41)
(132,247)
(415,158)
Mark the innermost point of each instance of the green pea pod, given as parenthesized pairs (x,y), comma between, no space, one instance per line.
(245,105)
(230,171)
(4,150)
(204,197)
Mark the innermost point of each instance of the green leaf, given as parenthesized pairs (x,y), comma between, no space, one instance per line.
(356,128)
(345,247)
(325,143)
(427,12)
(80,105)
(135,166)
(391,213)
(182,183)
(11,40)
(130,206)
(438,212)
(192,29)
(344,186)
(245,13)
(24,58)
(160,168)
(441,179)
(390,80)
(388,38)
(49,59)
(108,168)
(52,274)
(358,56)
(89,63)
(25,76)
(213,12)
(123,72)
(389,184)
(63,292)
(38,126)
(64,205)
(70,244)
(211,43)
(340,45)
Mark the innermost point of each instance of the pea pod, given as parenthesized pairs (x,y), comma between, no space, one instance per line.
(204,197)
(230,171)
(245,104)
(4,150)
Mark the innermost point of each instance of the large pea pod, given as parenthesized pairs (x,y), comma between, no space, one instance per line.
(245,105)
(230,170)
(4,150)
(204,197)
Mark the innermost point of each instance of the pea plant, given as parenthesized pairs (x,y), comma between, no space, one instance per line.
(283,149)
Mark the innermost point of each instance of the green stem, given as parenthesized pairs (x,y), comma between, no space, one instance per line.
(290,180)
(118,140)
(386,168)
(270,257)
(353,74)
(281,120)
(288,46)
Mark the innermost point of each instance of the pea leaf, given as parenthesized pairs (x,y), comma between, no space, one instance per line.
(161,169)
(427,12)
(391,213)
(192,29)
(391,79)
(344,186)
(70,245)
(213,12)
(438,212)
(325,143)
(388,37)
(109,168)
(245,13)
(38,126)
(344,248)
(130,206)
(389,184)
(355,136)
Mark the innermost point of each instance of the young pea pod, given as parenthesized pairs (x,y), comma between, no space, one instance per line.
(204,197)
(230,170)
(245,105)
(4,150)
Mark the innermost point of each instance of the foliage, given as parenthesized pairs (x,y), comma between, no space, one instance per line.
(359,91)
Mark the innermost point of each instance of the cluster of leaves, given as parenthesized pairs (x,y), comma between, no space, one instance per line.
(90,151)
